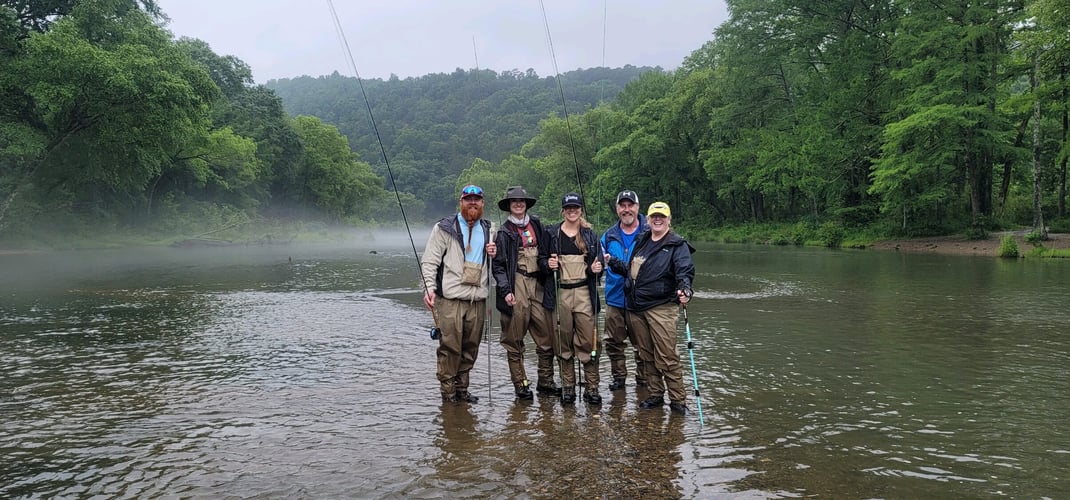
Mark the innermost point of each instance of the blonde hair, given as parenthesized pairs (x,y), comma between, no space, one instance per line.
(578,239)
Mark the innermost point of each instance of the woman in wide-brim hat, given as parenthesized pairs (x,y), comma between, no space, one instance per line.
(516,193)
(526,294)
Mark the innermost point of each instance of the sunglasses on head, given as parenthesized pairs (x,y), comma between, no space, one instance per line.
(471,190)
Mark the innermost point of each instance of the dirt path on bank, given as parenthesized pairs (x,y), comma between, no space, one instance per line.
(959,245)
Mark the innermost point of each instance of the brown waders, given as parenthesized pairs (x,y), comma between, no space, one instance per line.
(461,322)
(528,315)
(617,332)
(578,334)
(655,329)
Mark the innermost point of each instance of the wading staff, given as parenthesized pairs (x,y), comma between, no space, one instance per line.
(486,324)
(597,258)
(694,374)
(436,332)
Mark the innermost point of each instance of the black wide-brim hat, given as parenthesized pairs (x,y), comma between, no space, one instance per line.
(515,193)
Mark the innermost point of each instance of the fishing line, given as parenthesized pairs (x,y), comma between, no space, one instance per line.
(564,104)
(435,331)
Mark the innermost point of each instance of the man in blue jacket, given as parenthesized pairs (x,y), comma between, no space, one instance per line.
(618,241)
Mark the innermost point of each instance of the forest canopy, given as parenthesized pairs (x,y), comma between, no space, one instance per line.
(907,117)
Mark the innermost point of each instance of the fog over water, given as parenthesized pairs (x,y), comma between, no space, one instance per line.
(58,269)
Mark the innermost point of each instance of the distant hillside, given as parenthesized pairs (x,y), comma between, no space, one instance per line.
(433,126)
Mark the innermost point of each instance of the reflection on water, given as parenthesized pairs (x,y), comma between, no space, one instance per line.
(307,372)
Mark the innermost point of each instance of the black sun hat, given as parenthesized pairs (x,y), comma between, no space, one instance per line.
(515,193)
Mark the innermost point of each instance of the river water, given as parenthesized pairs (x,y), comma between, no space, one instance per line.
(307,372)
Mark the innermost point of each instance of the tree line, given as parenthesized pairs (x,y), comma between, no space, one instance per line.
(107,120)
(435,126)
(904,118)
(909,117)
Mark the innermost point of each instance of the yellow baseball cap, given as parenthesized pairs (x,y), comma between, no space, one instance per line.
(659,207)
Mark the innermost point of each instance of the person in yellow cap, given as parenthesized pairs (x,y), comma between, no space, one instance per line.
(658,276)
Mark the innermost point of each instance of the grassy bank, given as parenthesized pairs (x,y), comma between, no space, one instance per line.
(829,235)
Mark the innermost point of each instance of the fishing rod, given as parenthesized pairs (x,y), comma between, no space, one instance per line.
(435,332)
(490,269)
(572,146)
(564,104)
(694,374)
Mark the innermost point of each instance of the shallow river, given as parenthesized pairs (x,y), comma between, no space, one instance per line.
(307,372)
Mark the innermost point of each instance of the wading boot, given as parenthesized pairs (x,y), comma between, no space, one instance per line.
(617,384)
(466,397)
(568,395)
(678,407)
(592,397)
(655,401)
(448,398)
(523,392)
(548,387)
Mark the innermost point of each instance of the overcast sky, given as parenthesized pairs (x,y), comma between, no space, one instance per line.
(290,38)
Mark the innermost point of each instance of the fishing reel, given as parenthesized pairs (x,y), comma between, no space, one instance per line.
(436,333)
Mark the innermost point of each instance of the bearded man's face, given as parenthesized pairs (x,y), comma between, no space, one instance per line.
(472,208)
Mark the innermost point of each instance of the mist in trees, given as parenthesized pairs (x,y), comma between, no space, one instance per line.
(905,118)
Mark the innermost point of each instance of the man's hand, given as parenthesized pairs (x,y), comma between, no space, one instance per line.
(429,300)
(492,249)
(510,299)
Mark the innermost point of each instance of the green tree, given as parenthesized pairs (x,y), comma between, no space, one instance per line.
(110,99)
(946,133)
(332,177)
(1049,43)
(229,73)
(39,15)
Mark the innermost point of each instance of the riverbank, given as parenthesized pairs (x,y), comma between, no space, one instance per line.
(942,245)
(960,245)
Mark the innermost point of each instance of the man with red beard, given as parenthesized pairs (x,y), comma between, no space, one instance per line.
(456,270)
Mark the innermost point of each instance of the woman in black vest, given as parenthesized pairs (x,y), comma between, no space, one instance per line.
(577,259)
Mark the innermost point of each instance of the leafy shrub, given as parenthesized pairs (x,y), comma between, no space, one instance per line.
(1008,248)
(801,233)
(780,240)
(830,234)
